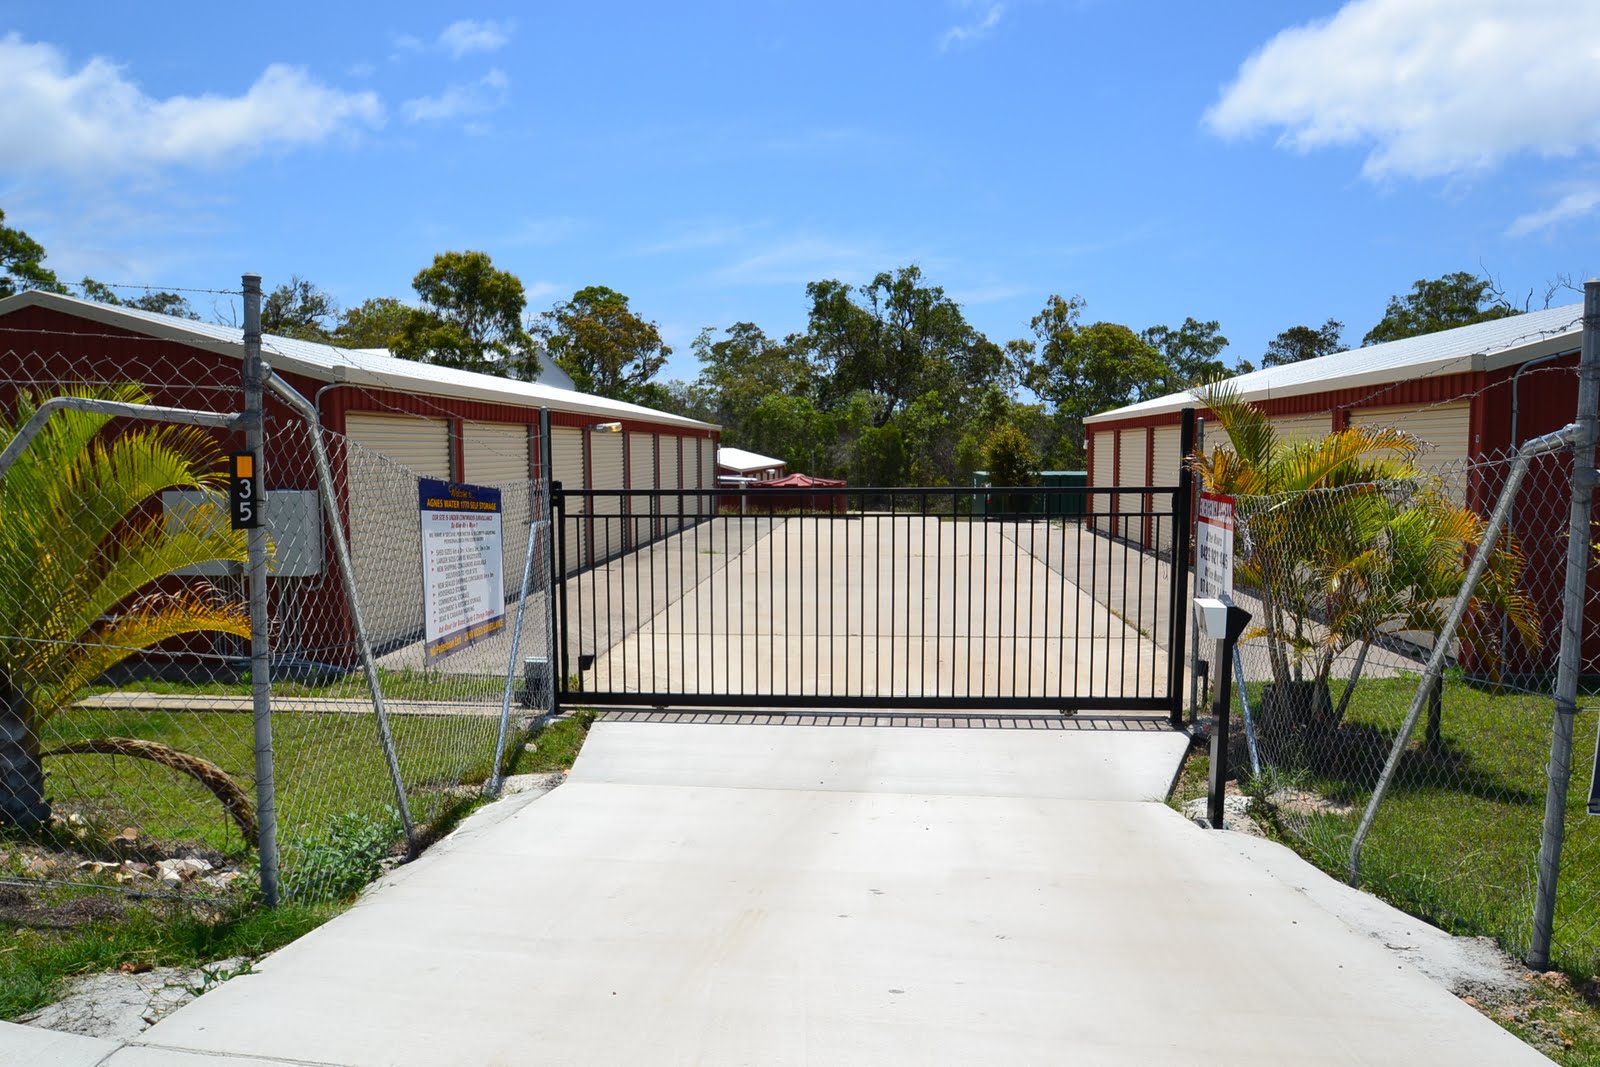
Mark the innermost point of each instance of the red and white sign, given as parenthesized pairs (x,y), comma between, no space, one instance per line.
(1213,557)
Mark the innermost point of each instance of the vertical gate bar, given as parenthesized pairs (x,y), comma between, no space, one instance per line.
(772,564)
(641,619)
(611,564)
(983,608)
(1139,604)
(1032,571)
(1095,593)
(558,567)
(894,584)
(1178,611)
(797,581)
(1077,591)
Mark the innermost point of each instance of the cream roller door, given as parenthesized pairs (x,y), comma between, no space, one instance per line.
(385,529)
(708,476)
(1293,428)
(670,505)
(606,469)
(641,475)
(1445,428)
(497,454)
(1131,471)
(1104,454)
(566,467)
(1166,466)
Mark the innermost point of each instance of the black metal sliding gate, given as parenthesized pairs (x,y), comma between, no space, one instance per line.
(1062,599)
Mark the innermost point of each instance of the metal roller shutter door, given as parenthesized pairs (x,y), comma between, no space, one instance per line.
(385,530)
(667,445)
(1131,471)
(1292,428)
(705,505)
(641,475)
(497,454)
(606,469)
(1447,428)
(1165,465)
(1100,503)
(566,467)
(709,475)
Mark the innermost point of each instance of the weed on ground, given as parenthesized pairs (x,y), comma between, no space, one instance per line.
(58,933)
(556,747)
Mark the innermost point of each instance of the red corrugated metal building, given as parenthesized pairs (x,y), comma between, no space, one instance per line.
(1472,393)
(430,420)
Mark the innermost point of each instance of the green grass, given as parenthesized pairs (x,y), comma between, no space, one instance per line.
(336,820)
(327,766)
(1456,840)
(404,684)
(556,748)
(51,944)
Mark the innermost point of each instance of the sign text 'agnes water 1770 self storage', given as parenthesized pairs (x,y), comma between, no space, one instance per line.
(463,585)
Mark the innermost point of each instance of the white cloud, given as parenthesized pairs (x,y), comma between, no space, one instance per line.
(805,258)
(1434,87)
(471,35)
(1577,204)
(963,34)
(458,101)
(94,120)
(542,290)
(694,236)
(551,230)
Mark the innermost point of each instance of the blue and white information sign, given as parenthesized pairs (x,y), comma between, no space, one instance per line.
(463,584)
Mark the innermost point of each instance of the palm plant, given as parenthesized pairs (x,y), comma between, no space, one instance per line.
(83,549)
(1346,540)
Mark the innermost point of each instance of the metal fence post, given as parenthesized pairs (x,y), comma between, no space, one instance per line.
(1194,632)
(558,570)
(1572,604)
(546,474)
(260,648)
(1178,609)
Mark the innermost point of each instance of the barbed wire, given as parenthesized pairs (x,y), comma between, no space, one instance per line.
(154,288)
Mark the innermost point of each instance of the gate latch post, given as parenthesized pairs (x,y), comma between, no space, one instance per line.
(1224,622)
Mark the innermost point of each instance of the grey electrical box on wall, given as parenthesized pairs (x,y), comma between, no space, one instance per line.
(293,524)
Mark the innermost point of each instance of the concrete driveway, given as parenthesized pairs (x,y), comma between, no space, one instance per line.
(826,895)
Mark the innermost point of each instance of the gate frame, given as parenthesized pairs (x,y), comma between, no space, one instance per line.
(1172,703)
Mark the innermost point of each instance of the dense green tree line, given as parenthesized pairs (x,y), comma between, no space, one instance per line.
(888,383)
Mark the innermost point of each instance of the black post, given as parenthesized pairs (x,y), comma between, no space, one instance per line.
(558,566)
(1237,619)
(1182,533)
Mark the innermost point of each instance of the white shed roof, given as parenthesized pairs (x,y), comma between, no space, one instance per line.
(739,460)
(374,368)
(1484,346)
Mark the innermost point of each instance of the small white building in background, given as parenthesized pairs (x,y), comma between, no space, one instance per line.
(737,466)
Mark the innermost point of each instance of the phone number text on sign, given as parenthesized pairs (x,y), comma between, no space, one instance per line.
(1213,563)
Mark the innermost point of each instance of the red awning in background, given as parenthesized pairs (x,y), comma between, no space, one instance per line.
(802,481)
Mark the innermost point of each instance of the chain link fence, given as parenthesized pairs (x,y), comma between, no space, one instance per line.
(1348,589)
(127,734)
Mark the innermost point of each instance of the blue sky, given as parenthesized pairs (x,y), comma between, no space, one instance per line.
(1264,165)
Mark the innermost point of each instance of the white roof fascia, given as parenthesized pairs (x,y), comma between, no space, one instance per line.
(1484,346)
(353,366)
